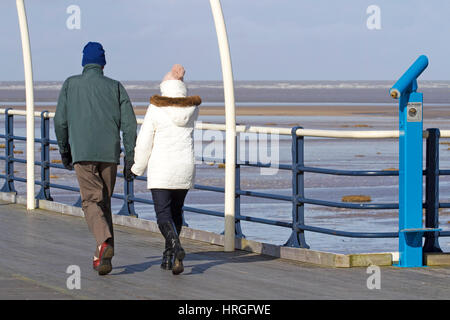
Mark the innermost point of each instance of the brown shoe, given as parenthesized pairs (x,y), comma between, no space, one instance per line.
(103,264)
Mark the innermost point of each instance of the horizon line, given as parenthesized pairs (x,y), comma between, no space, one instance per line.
(243,80)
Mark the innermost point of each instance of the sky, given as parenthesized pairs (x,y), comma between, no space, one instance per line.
(269,39)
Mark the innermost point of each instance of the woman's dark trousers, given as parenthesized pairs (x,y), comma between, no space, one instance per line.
(169,216)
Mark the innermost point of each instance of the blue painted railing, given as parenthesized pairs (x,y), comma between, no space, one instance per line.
(297,198)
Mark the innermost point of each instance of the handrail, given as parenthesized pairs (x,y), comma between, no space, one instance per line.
(382,134)
(16,112)
(345,134)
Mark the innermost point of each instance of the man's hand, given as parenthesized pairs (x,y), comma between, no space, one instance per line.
(127,173)
(66,159)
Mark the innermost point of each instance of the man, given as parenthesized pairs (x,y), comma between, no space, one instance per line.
(91,111)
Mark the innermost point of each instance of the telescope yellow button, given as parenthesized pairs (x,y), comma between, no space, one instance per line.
(412,112)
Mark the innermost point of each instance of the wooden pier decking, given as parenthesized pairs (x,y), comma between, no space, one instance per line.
(37,248)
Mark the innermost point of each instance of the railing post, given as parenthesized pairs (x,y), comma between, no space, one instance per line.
(297,238)
(410,165)
(9,153)
(237,201)
(230,124)
(237,197)
(128,202)
(44,193)
(432,191)
(78,202)
(29,98)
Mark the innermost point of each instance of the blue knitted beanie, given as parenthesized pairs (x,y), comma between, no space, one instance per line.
(93,53)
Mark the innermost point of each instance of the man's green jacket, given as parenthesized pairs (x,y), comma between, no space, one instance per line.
(91,111)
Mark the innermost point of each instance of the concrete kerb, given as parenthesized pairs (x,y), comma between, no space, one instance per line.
(326,259)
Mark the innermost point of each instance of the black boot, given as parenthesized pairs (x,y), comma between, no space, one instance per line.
(167,260)
(169,232)
(178,228)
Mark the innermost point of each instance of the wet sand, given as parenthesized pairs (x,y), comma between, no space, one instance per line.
(301,110)
(278,110)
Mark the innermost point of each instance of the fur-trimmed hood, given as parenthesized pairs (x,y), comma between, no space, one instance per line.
(174,102)
(160,101)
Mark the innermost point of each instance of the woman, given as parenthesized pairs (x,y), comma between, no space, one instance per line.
(165,146)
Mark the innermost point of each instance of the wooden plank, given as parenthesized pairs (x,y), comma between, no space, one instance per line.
(327,259)
(37,249)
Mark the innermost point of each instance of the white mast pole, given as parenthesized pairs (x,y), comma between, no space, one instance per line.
(26,50)
(230,123)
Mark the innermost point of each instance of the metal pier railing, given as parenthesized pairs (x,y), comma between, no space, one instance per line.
(432,172)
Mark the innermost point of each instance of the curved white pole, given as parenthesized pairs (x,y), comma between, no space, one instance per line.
(230,123)
(29,101)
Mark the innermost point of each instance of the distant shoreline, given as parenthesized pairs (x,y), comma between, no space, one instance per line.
(313,110)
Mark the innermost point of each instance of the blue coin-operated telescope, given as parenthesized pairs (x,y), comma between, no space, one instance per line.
(410,168)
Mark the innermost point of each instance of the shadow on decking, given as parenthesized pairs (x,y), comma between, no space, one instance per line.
(213,258)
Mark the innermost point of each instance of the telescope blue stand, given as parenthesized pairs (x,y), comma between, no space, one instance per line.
(410,167)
